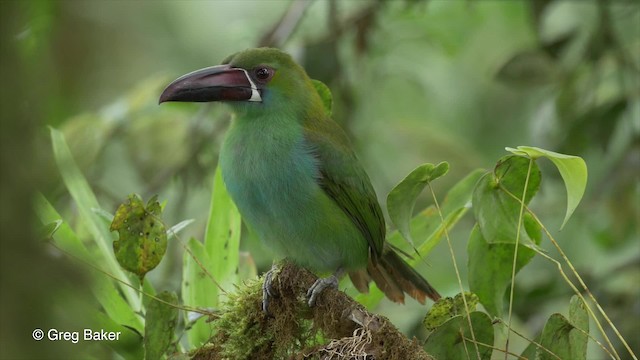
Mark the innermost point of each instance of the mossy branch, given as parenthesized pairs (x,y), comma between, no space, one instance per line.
(337,327)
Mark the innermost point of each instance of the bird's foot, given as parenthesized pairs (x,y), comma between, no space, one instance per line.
(321,284)
(267,288)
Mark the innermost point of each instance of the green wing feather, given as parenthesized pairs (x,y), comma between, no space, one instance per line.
(345,181)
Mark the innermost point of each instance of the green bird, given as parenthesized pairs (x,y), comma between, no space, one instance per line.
(294,176)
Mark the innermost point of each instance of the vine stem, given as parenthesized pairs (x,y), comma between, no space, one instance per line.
(455,266)
(515,257)
(584,286)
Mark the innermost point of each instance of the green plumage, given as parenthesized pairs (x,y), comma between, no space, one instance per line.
(292,173)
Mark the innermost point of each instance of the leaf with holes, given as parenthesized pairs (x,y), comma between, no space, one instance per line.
(142,235)
(447,308)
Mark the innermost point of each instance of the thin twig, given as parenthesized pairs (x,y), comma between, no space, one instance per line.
(455,266)
(576,291)
(515,255)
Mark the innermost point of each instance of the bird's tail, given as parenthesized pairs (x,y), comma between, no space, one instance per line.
(394,277)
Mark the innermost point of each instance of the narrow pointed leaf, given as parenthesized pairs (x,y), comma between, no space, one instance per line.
(103,289)
(222,238)
(86,200)
(175,229)
(198,289)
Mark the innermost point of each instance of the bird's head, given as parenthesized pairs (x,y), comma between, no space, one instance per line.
(250,80)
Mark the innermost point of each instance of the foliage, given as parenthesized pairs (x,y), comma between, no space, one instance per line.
(454,324)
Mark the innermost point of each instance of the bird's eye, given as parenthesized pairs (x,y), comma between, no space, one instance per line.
(263,73)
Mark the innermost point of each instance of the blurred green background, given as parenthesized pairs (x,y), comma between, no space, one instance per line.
(413,81)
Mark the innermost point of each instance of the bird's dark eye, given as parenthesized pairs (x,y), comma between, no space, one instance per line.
(262,73)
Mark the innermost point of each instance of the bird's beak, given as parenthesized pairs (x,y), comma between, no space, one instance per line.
(215,83)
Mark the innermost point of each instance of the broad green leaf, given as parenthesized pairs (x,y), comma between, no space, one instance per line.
(563,337)
(161,319)
(447,308)
(103,289)
(578,313)
(490,266)
(452,340)
(402,198)
(222,237)
(86,201)
(426,225)
(142,237)
(573,170)
(325,95)
(198,289)
(496,212)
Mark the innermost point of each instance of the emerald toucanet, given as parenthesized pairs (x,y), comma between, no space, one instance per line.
(294,177)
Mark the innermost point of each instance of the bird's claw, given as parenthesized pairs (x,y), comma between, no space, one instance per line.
(318,286)
(267,288)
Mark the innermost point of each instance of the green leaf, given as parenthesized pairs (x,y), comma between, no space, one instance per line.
(103,289)
(426,225)
(222,236)
(452,340)
(86,201)
(402,198)
(571,346)
(573,170)
(447,308)
(495,210)
(198,289)
(490,266)
(563,337)
(142,235)
(325,95)
(161,319)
